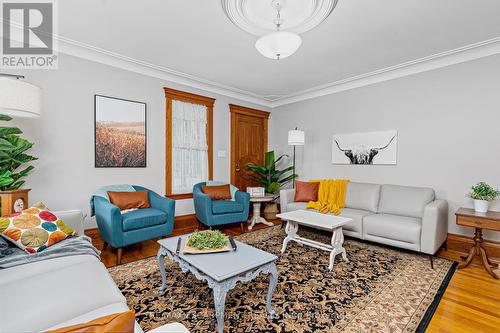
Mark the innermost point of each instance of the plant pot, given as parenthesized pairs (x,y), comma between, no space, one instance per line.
(270,211)
(481,206)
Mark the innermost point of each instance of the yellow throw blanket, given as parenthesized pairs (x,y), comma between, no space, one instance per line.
(331,196)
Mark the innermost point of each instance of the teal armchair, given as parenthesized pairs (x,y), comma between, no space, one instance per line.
(219,212)
(136,226)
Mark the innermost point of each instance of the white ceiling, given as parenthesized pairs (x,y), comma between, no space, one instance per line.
(194,37)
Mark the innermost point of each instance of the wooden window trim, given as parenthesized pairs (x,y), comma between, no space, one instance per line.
(178,95)
(233,108)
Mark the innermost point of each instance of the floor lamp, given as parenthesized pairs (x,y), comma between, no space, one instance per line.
(296,137)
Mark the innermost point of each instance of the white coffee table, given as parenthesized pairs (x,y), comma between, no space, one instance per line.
(314,219)
(256,218)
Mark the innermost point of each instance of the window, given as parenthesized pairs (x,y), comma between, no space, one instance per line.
(188,142)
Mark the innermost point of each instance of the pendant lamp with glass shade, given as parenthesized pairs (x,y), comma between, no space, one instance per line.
(279,44)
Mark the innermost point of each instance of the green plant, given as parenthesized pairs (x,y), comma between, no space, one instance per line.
(483,191)
(13,157)
(207,240)
(268,176)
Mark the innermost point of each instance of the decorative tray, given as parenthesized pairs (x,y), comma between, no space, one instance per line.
(192,250)
(230,245)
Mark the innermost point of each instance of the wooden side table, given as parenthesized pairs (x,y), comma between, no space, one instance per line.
(490,221)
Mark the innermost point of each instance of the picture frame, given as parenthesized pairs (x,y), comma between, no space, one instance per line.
(120,132)
(366,148)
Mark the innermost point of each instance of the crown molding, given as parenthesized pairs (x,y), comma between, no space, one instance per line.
(99,55)
(459,55)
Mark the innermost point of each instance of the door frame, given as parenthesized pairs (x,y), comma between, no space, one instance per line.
(243,110)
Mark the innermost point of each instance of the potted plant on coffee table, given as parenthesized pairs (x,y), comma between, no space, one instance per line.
(271,179)
(482,194)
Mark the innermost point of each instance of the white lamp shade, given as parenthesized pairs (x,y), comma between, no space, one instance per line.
(19,98)
(278,45)
(296,138)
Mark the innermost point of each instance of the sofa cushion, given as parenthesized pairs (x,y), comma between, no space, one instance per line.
(357,216)
(217,192)
(404,200)
(116,322)
(393,227)
(142,218)
(129,200)
(296,206)
(34,229)
(94,313)
(61,294)
(306,191)
(39,267)
(364,196)
(226,206)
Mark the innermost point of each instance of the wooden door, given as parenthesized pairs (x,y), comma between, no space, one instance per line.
(248,142)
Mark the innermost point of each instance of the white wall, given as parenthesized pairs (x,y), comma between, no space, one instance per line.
(448,122)
(65,177)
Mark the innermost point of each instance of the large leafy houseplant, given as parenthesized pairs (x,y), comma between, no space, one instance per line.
(268,176)
(13,157)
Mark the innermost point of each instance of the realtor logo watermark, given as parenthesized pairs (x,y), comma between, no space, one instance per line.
(28,29)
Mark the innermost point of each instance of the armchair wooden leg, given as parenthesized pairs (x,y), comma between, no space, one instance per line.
(241,227)
(119,256)
(432,262)
(104,246)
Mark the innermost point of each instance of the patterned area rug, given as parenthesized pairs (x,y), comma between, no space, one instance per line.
(380,289)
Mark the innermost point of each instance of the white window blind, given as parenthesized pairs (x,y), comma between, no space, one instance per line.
(189,146)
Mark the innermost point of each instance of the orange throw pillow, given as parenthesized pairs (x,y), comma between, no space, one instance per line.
(306,191)
(129,200)
(219,192)
(118,322)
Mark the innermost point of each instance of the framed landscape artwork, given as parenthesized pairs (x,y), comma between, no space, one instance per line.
(120,133)
(365,148)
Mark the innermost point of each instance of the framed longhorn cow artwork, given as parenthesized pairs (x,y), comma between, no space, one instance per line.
(369,148)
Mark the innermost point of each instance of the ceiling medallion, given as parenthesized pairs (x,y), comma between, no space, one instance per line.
(278,21)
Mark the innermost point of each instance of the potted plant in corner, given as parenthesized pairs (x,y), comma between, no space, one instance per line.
(271,179)
(482,194)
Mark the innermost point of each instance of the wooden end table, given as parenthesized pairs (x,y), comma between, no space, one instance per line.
(490,221)
(256,218)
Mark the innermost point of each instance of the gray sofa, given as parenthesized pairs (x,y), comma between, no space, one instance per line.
(402,216)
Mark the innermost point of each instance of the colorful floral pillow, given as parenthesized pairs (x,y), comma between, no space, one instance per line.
(34,229)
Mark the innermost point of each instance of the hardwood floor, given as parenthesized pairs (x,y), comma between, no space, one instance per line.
(471,302)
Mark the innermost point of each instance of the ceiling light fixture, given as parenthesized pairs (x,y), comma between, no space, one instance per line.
(279,44)
(19,98)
